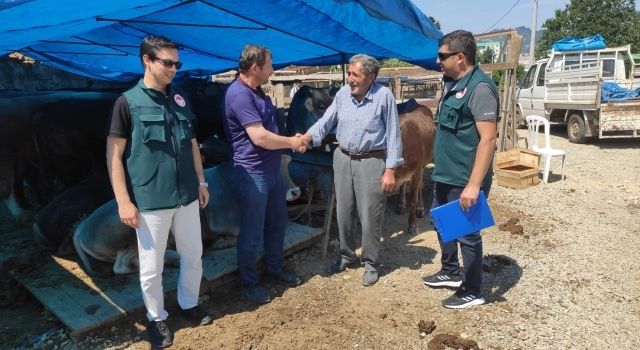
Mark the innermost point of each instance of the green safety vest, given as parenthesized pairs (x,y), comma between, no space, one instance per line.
(457,136)
(158,156)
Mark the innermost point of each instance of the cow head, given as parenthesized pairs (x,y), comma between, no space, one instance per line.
(307,106)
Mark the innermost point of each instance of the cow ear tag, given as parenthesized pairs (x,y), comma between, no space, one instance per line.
(179,100)
(460,94)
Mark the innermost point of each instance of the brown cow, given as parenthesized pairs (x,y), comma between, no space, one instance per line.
(418,129)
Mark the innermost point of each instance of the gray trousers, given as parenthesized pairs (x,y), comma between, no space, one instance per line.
(358,194)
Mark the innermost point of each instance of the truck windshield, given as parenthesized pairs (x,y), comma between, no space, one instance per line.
(540,80)
(527,81)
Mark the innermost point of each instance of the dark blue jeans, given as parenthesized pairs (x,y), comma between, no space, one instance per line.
(263,207)
(471,244)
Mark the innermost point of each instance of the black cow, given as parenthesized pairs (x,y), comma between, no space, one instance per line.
(307,106)
(18,157)
(207,103)
(314,171)
(70,137)
(53,224)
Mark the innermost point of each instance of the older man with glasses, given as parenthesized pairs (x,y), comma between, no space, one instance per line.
(158,181)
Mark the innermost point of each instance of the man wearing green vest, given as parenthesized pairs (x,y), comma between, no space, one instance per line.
(463,151)
(158,181)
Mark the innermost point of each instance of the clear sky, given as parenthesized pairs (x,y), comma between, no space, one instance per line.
(477,16)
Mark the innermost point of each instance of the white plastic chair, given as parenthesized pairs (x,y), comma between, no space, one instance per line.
(533,124)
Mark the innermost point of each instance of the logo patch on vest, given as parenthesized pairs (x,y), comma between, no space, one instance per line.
(459,94)
(179,100)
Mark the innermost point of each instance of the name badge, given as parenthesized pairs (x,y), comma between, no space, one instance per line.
(179,100)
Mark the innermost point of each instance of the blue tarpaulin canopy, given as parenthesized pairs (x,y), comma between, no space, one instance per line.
(101,39)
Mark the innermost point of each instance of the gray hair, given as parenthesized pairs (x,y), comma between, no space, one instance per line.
(369,64)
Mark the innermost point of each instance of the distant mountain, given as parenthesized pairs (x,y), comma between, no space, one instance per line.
(525,32)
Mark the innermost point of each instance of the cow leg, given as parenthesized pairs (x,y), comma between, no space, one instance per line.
(127,261)
(402,202)
(420,207)
(18,187)
(13,206)
(92,266)
(416,188)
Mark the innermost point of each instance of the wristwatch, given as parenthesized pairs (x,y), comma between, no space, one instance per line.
(204,184)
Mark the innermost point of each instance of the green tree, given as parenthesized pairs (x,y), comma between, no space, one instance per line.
(393,63)
(435,22)
(498,76)
(616,20)
(487,56)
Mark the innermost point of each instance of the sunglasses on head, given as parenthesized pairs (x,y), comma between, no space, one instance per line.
(167,63)
(444,55)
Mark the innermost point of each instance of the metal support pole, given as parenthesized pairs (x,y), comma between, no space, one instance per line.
(532,45)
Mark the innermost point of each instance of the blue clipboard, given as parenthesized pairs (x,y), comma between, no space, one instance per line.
(451,222)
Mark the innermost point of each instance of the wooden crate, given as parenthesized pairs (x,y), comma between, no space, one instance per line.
(517,158)
(517,177)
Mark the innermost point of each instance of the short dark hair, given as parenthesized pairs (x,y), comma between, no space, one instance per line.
(152,43)
(253,54)
(461,41)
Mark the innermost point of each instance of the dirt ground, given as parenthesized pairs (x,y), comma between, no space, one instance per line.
(562,274)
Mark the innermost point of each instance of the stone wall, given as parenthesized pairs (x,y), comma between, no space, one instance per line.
(20,73)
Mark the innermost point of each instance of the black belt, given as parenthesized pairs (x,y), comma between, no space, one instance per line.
(379,153)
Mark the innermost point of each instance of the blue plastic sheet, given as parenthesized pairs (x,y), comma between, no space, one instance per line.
(594,42)
(100,39)
(614,92)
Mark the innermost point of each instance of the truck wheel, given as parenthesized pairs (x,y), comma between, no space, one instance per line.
(576,129)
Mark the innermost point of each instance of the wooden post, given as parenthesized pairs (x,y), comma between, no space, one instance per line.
(279,94)
(328,218)
(397,87)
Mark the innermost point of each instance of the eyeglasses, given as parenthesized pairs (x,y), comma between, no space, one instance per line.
(444,55)
(167,63)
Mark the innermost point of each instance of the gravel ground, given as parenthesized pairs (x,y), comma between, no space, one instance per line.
(567,279)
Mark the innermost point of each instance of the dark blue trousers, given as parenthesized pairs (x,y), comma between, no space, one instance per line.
(470,245)
(261,197)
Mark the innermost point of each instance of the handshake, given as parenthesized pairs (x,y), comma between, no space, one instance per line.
(300,142)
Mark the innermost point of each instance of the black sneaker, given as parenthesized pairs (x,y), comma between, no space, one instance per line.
(462,299)
(442,279)
(160,335)
(197,316)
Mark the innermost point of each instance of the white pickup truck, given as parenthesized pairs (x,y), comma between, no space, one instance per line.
(566,88)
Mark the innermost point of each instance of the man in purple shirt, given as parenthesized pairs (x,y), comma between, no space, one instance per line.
(250,123)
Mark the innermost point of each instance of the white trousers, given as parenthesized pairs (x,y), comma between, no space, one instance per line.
(153,233)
